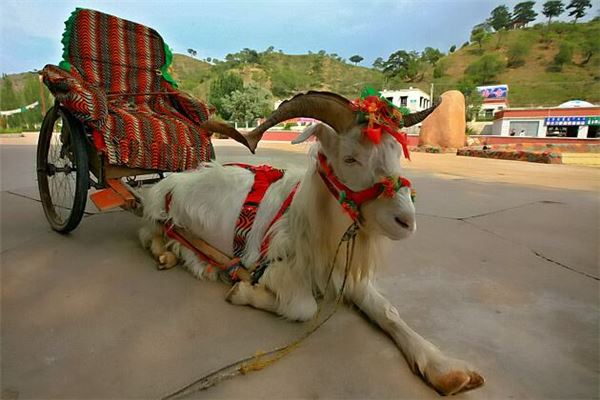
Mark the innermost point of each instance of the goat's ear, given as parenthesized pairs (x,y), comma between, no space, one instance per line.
(324,133)
(328,137)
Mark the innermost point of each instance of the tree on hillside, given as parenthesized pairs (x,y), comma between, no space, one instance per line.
(356,59)
(473,99)
(500,18)
(248,103)
(452,48)
(523,13)
(246,56)
(192,52)
(405,64)
(249,56)
(431,55)
(578,8)
(553,8)
(378,63)
(485,70)
(478,34)
(223,86)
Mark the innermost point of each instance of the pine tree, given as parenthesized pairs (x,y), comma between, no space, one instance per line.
(500,18)
(523,13)
(579,8)
(553,8)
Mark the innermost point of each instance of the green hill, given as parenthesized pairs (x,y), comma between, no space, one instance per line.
(525,59)
(534,83)
(282,74)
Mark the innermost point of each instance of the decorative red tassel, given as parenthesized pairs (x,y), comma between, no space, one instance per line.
(373,134)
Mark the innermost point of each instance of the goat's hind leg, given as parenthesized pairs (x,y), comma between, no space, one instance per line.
(153,238)
(447,375)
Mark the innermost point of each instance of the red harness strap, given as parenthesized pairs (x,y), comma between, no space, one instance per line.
(264,176)
(264,247)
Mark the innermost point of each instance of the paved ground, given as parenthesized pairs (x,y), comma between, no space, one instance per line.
(502,272)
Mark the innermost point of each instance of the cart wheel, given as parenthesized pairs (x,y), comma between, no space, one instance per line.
(62,170)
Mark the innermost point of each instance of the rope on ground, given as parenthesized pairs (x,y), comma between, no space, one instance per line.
(263,359)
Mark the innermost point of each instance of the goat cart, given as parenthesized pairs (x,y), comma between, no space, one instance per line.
(68,165)
(117,116)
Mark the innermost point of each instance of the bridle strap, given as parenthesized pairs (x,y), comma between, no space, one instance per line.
(351,200)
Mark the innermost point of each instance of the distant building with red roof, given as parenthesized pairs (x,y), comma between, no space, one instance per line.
(571,119)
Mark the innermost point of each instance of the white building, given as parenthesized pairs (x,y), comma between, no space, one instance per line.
(495,98)
(581,122)
(412,98)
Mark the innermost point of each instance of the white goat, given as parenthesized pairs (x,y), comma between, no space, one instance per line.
(206,202)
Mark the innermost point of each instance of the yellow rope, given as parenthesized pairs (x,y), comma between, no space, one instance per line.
(261,359)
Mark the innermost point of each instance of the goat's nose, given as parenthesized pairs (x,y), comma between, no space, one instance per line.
(404,220)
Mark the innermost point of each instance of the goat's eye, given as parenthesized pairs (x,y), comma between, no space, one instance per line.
(349,160)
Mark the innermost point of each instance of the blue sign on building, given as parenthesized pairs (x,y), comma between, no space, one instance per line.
(563,121)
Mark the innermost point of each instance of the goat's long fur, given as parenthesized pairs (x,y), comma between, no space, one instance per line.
(206,202)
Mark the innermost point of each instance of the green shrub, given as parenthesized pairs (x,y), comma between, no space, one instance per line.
(485,69)
(440,69)
(564,55)
(517,53)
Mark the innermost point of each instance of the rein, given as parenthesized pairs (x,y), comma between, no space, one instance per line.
(262,360)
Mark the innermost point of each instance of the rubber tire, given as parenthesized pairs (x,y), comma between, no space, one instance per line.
(78,147)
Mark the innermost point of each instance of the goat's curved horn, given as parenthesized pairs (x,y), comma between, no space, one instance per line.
(416,117)
(227,130)
(330,108)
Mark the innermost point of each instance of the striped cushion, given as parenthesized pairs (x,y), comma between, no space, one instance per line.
(118,86)
(153,138)
(117,55)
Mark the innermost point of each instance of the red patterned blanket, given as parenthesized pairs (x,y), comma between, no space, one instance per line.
(115,78)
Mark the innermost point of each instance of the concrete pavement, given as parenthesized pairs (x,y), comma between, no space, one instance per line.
(503,272)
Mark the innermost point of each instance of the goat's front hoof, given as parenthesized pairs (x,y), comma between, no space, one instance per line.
(455,382)
(167,260)
(236,295)
(450,376)
(232,293)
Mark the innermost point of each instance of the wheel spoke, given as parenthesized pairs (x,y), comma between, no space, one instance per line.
(61,172)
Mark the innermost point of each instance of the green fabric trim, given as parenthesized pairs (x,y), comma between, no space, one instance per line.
(66,40)
(369,91)
(65,65)
(165,68)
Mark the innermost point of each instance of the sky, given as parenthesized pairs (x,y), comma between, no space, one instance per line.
(30,31)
